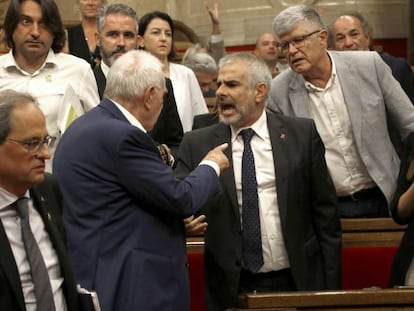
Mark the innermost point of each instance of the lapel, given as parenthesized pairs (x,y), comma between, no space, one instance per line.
(42,201)
(351,90)
(299,96)
(222,135)
(9,267)
(279,139)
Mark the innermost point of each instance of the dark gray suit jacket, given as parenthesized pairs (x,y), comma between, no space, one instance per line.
(47,200)
(307,206)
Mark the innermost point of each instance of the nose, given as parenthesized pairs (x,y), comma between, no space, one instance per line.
(35,30)
(44,152)
(348,41)
(121,40)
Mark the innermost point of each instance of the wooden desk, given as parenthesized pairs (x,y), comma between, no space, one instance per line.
(361,232)
(357,232)
(369,299)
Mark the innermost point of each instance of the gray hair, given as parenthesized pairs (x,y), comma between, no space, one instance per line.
(117,8)
(132,73)
(258,72)
(9,100)
(286,20)
(199,61)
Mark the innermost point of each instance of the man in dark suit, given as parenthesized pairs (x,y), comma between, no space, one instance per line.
(123,207)
(24,147)
(352,32)
(299,225)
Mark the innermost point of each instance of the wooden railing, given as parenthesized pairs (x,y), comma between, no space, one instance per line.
(378,300)
(358,232)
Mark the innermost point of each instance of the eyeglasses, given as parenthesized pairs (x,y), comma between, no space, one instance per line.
(34,147)
(297,42)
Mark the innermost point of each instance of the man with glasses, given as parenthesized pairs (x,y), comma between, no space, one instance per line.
(350,96)
(27,284)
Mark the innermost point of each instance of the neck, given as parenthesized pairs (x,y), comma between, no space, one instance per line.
(29,65)
(320,75)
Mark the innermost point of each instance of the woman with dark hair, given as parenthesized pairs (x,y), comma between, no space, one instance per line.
(81,38)
(156,30)
(402,211)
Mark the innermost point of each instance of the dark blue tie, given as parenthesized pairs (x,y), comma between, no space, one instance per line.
(252,241)
(40,276)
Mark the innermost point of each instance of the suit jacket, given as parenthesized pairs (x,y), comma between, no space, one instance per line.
(401,71)
(168,129)
(206,119)
(100,80)
(78,46)
(307,206)
(371,95)
(405,252)
(124,210)
(47,200)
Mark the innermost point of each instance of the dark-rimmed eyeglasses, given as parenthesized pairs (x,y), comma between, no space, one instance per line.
(34,146)
(297,42)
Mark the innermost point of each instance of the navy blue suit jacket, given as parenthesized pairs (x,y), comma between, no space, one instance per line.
(124,210)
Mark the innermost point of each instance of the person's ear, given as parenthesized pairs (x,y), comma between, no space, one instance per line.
(149,93)
(261,92)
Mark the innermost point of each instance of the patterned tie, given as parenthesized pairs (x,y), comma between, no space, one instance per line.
(40,276)
(252,241)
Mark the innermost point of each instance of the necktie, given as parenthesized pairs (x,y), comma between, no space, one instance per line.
(252,241)
(40,277)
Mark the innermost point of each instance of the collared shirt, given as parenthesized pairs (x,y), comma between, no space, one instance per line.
(11,224)
(105,69)
(187,93)
(49,85)
(331,116)
(274,252)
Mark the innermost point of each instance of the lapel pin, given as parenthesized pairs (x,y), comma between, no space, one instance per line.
(42,199)
(282,136)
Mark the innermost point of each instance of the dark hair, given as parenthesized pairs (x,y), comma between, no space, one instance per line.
(147,18)
(50,16)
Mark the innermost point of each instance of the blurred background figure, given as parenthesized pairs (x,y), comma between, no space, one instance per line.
(402,211)
(81,38)
(205,69)
(267,50)
(156,30)
(352,32)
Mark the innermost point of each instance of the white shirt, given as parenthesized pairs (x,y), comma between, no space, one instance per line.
(187,93)
(274,252)
(48,85)
(11,224)
(330,113)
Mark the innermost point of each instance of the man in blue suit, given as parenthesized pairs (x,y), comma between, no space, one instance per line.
(350,95)
(123,207)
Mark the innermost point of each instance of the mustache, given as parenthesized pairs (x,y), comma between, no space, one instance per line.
(118,49)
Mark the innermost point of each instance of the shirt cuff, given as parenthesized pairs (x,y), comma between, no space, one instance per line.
(212,164)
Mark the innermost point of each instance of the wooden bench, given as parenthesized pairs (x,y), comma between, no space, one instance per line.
(368,249)
(378,300)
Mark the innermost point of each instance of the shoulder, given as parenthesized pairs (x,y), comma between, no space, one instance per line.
(179,69)
(292,121)
(74,62)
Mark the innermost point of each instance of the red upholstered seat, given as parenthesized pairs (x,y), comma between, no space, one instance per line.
(362,267)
